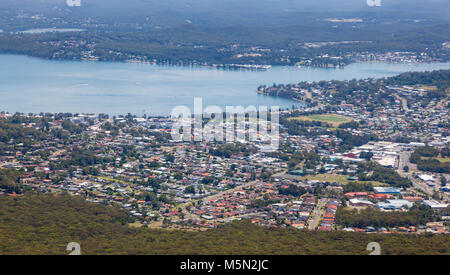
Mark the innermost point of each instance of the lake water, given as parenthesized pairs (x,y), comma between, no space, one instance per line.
(37,85)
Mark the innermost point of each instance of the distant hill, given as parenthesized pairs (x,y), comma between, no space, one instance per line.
(206,31)
(233,12)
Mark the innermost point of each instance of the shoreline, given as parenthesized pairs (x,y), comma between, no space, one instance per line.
(224,67)
(145,94)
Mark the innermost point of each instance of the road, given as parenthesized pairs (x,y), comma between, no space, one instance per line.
(317,214)
(404,161)
(403,101)
(429,190)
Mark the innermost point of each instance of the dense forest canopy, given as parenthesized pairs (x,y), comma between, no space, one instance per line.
(45,224)
(418,215)
(10,181)
(12,130)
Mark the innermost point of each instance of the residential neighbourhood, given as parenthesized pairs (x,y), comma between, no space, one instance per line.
(132,162)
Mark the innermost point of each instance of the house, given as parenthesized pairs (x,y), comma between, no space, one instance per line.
(298,225)
(360,203)
(426,178)
(386,190)
(379,197)
(394,204)
(356,194)
(297,173)
(435,204)
(413,199)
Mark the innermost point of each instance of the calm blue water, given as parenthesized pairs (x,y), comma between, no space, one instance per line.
(37,85)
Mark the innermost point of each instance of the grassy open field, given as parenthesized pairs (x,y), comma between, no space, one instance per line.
(341,179)
(428,88)
(332,119)
(442,160)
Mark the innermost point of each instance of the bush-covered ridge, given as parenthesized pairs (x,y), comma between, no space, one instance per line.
(45,224)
